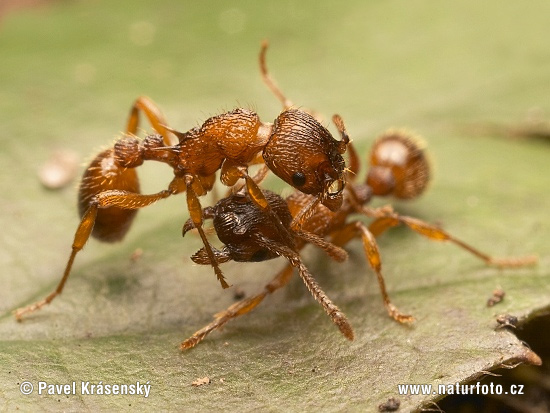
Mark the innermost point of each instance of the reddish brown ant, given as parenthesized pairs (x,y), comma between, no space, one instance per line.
(296,147)
(398,167)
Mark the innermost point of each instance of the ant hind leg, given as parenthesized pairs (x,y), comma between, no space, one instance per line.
(106,199)
(358,229)
(386,220)
(155,116)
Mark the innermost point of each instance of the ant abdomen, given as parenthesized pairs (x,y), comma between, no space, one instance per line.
(398,166)
(104,174)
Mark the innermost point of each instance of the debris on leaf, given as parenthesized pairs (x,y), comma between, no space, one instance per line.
(136,255)
(238,294)
(201,382)
(391,405)
(497,297)
(507,320)
(59,170)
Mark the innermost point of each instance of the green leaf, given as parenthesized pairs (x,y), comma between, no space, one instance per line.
(70,72)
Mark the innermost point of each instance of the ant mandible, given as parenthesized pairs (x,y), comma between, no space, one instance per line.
(296,147)
(398,167)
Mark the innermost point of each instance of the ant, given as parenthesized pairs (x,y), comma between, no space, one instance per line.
(250,236)
(398,167)
(296,147)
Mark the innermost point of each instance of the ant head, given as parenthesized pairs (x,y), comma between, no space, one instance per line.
(398,165)
(305,155)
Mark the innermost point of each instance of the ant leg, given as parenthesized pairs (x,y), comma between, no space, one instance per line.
(257,178)
(81,236)
(261,174)
(380,225)
(257,196)
(334,251)
(355,229)
(280,280)
(335,314)
(195,210)
(304,214)
(231,172)
(389,219)
(240,308)
(207,213)
(201,256)
(153,113)
(106,199)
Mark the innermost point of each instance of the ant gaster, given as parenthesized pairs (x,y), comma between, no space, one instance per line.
(398,167)
(296,147)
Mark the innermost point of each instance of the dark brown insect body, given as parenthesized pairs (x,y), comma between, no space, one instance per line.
(398,167)
(243,230)
(250,236)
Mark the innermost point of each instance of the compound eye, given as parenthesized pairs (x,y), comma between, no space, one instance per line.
(298,179)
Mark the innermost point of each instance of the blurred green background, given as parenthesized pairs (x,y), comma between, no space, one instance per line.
(69,73)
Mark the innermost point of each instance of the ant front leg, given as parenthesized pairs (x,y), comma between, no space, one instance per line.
(335,314)
(258,178)
(386,219)
(240,308)
(335,252)
(195,211)
(231,172)
(153,113)
(207,213)
(107,199)
(245,306)
(304,214)
(201,256)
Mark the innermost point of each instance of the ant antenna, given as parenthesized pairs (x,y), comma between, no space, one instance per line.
(339,122)
(268,80)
